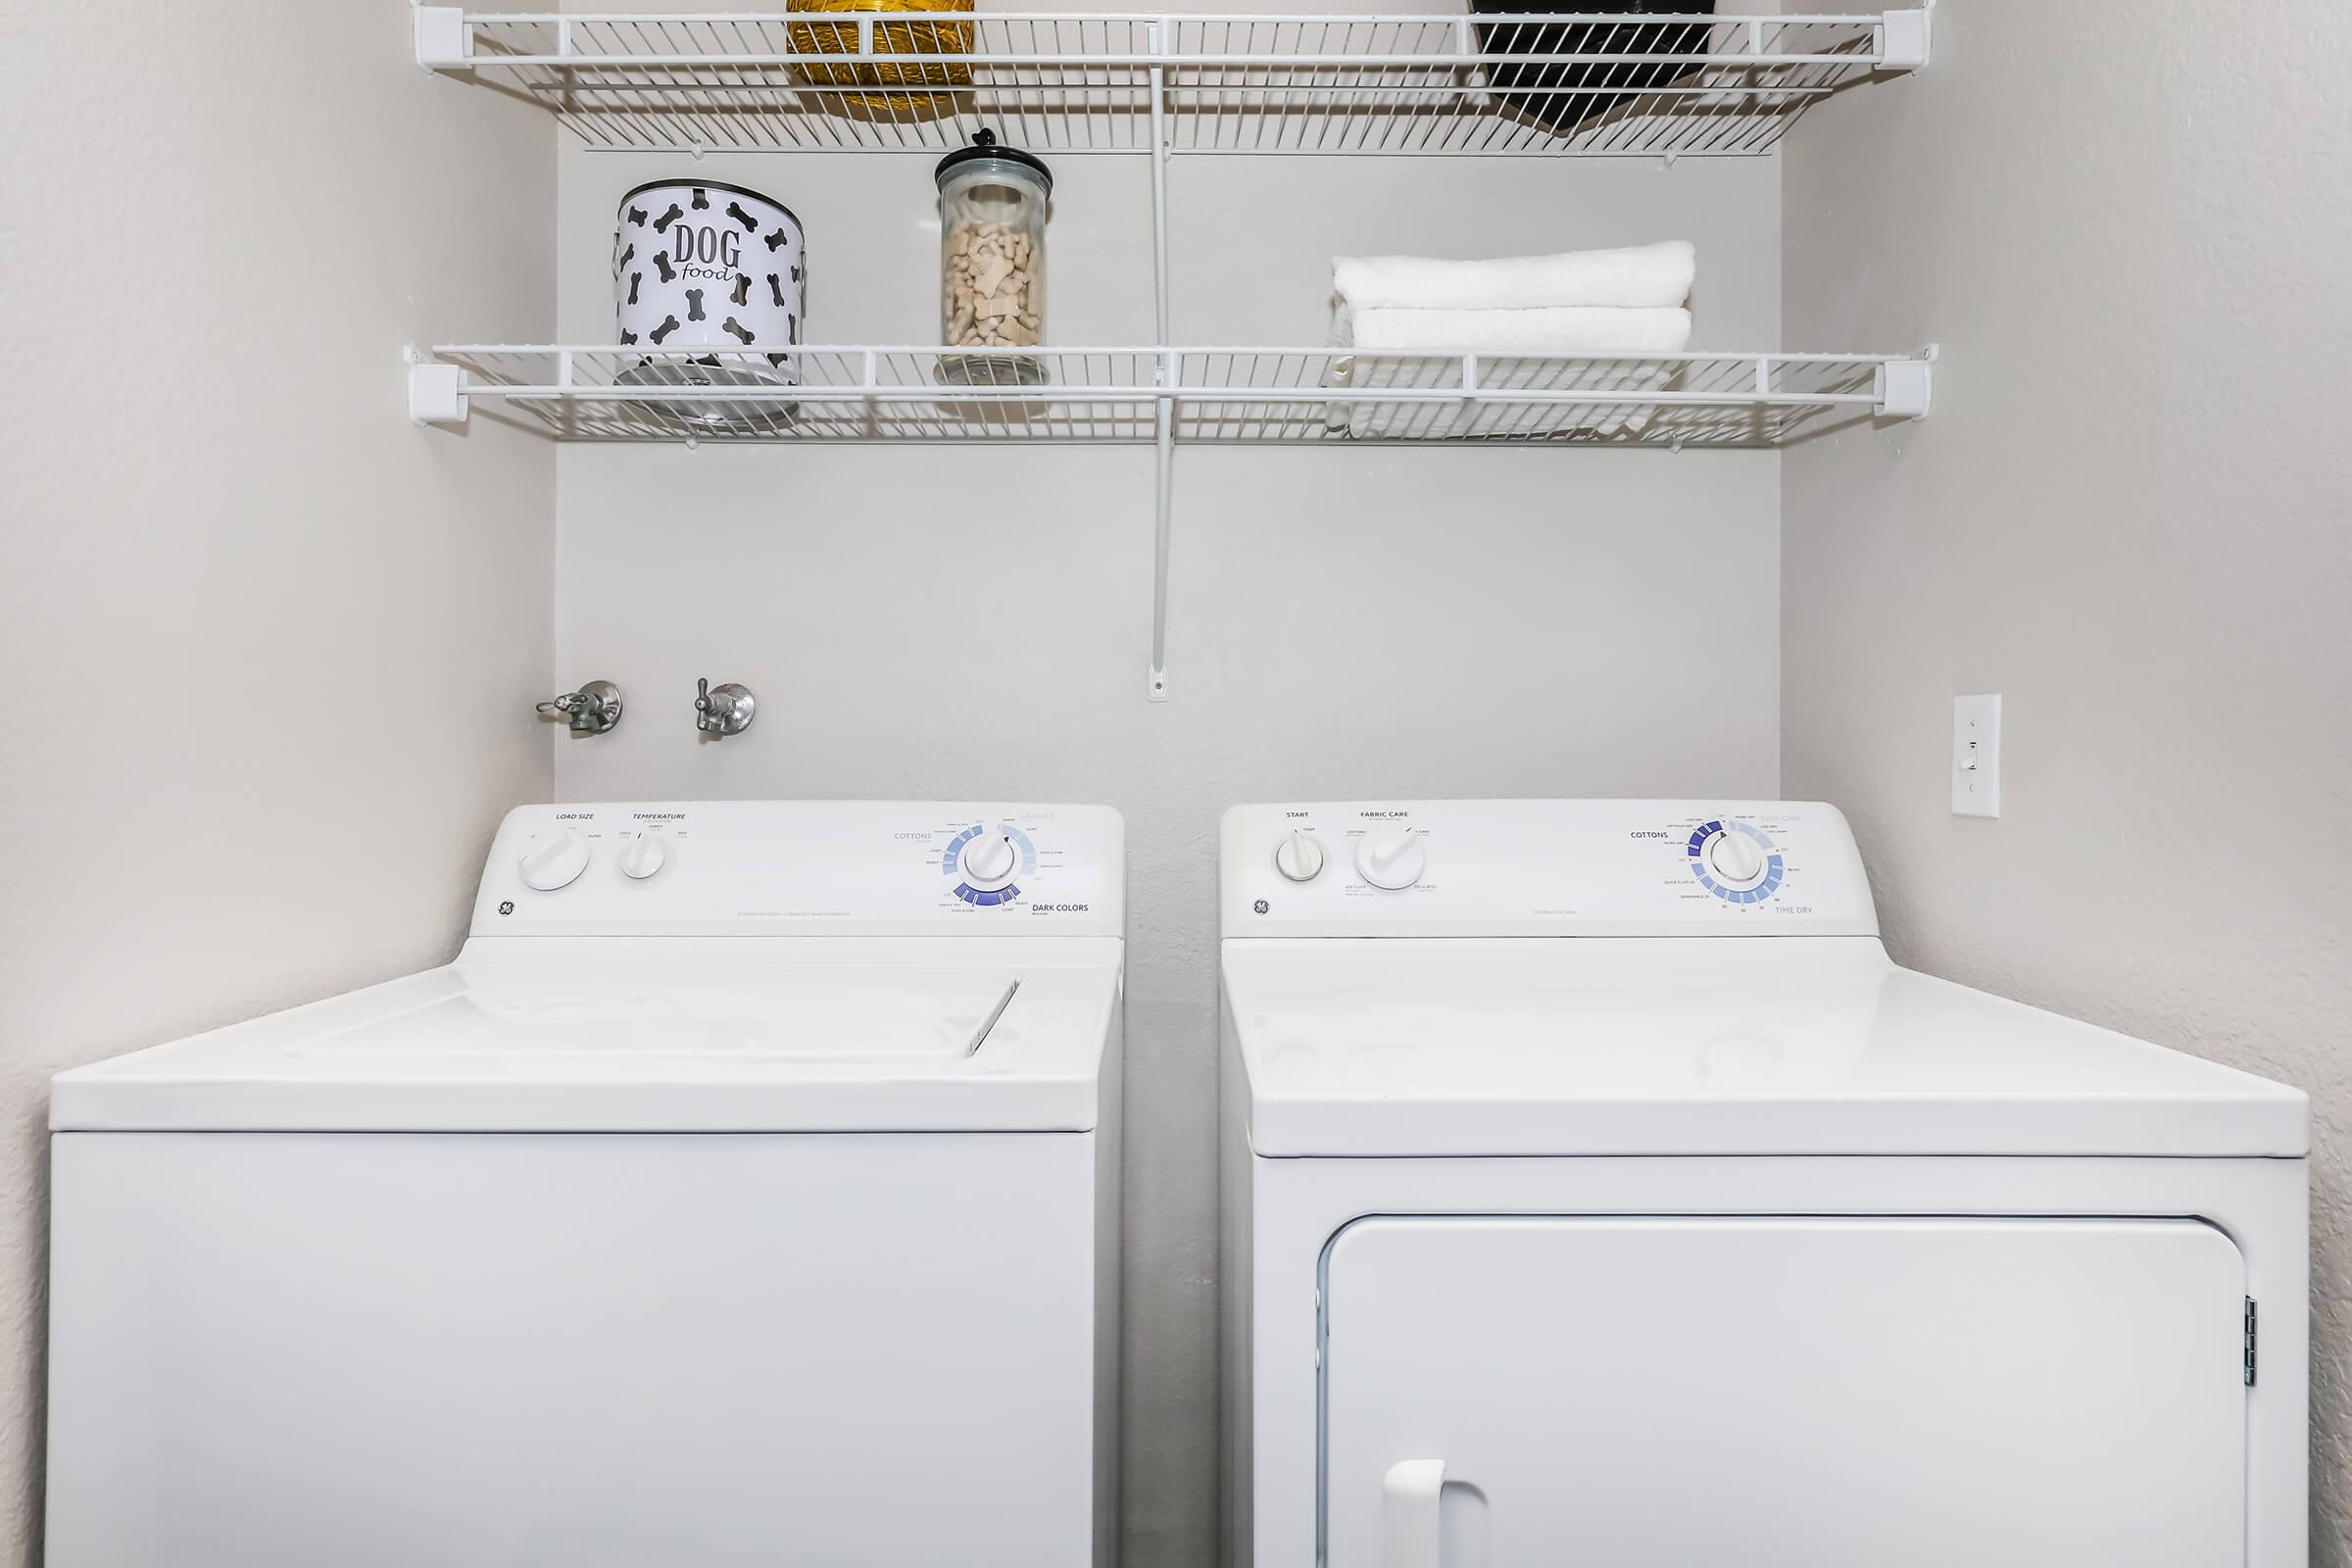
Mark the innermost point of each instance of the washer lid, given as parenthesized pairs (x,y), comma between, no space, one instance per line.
(1708,1046)
(581,1036)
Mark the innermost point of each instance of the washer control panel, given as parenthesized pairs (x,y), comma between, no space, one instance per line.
(1543,869)
(735,867)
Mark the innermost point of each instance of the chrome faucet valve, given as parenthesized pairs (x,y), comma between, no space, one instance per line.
(722,711)
(591,710)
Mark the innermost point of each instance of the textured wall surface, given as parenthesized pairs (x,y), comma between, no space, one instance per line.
(269,649)
(2127,222)
(975,622)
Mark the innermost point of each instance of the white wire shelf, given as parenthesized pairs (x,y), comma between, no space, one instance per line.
(1212,395)
(1567,84)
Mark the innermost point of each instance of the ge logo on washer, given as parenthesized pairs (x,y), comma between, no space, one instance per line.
(1259,906)
(506,907)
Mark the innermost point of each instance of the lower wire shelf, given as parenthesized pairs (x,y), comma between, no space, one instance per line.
(1206,395)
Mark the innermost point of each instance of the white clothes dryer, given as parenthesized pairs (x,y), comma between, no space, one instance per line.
(1596,1191)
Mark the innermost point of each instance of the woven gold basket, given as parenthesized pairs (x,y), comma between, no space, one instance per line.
(895,38)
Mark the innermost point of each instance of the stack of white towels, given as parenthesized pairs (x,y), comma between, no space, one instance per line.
(1596,305)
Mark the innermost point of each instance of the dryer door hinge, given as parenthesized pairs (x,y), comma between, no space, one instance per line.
(2251,1327)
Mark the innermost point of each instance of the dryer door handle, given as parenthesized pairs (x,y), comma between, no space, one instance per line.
(1410,1529)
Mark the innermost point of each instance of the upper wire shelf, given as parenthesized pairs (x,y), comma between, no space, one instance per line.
(1218,395)
(1563,84)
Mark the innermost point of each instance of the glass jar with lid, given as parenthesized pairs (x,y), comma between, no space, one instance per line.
(992,236)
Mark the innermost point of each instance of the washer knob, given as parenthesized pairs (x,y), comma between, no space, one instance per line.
(989,861)
(554,862)
(1392,857)
(643,855)
(1736,859)
(1300,857)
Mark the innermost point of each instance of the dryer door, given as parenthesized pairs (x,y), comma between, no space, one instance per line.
(1782,1393)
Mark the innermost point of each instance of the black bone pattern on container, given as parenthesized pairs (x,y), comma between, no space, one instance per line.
(742,332)
(796,276)
(637,215)
(669,324)
(778,359)
(702,200)
(742,294)
(626,257)
(627,336)
(635,278)
(662,223)
(775,287)
(773,241)
(736,212)
(670,273)
(694,305)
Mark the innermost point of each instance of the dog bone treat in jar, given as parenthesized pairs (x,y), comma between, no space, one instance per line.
(698,264)
(992,228)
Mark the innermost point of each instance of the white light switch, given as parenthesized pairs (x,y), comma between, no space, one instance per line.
(1977,756)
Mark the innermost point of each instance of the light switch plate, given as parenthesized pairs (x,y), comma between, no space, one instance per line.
(1977,756)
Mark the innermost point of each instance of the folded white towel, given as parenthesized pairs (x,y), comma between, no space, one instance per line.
(1635,277)
(1561,350)
(1562,329)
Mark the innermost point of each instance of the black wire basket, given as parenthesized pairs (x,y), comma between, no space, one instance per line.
(1566,98)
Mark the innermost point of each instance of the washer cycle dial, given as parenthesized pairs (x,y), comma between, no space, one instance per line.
(1735,861)
(989,861)
(984,860)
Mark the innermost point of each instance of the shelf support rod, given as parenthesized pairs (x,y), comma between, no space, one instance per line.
(1160,179)
(1165,410)
(1164,434)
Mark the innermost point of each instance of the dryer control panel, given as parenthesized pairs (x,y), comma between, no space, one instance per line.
(847,867)
(1543,869)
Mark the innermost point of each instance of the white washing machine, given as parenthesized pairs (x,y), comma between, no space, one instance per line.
(746,1192)
(1596,1191)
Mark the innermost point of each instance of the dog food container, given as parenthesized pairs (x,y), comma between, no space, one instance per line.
(698,266)
(992,233)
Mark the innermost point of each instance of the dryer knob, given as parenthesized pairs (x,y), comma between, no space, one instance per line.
(643,855)
(1735,858)
(1392,857)
(555,861)
(1300,857)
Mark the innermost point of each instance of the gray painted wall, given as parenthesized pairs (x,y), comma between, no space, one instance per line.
(2127,222)
(975,622)
(269,650)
